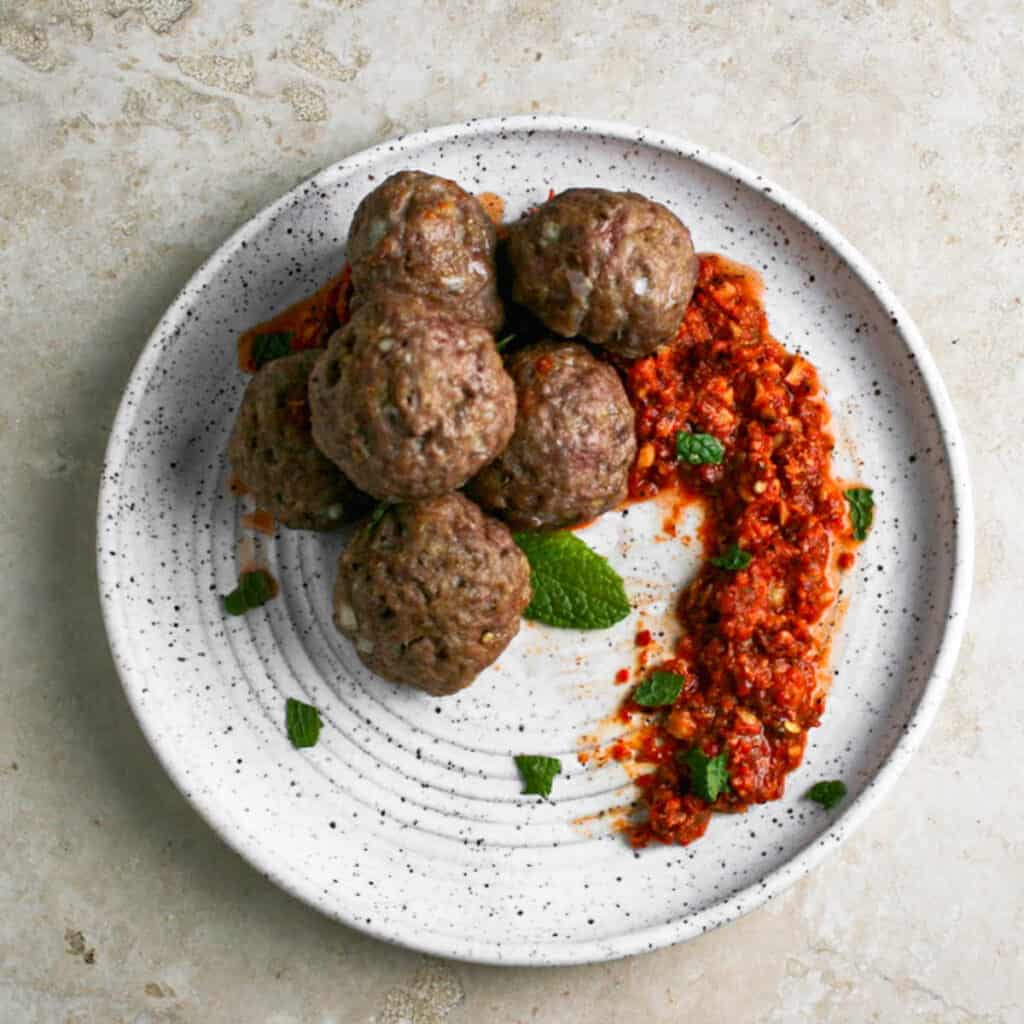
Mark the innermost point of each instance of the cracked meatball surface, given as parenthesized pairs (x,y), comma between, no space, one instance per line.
(425,235)
(574,441)
(273,455)
(410,401)
(613,267)
(431,593)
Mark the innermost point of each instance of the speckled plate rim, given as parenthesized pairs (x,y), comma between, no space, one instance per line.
(773,883)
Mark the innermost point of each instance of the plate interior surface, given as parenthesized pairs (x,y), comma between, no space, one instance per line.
(406,819)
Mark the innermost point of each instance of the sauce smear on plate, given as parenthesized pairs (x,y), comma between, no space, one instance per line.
(306,324)
(756,619)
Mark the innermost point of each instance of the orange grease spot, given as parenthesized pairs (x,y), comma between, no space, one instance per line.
(494,206)
(261,521)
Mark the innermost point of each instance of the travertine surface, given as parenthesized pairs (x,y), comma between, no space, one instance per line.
(136,134)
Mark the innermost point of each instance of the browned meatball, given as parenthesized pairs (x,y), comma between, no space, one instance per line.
(432,593)
(272,452)
(612,267)
(409,400)
(574,442)
(423,234)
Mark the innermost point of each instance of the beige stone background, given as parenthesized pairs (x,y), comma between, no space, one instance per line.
(136,134)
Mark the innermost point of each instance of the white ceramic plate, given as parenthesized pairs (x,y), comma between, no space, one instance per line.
(406,821)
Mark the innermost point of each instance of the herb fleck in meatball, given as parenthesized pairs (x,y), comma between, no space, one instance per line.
(272,452)
(613,267)
(423,234)
(574,442)
(432,593)
(409,400)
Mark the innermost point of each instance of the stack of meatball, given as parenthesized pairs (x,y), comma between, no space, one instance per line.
(411,403)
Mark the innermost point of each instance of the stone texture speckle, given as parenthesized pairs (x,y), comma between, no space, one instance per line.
(307,102)
(159,15)
(428,998)
(311,56)
(168,103)
(114,185)
(29,44)
(75,942)
(230,73)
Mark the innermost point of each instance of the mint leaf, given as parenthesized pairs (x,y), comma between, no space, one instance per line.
(266,347)
(538,772)
(828,794)
(573,587)
(709,776)
(378,514)
(734,558)
(862,510)
(659,689)
(254,589)
(699,449)
(303,722)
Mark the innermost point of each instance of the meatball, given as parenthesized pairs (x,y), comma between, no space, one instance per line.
(432,593)
(614,267)
(272,452)
(409,400)
(423,234)
(574,442)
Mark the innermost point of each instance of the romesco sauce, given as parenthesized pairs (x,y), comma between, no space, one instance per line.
(754,644)
(306,324)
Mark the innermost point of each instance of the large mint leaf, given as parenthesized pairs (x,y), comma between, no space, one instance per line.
(573,587)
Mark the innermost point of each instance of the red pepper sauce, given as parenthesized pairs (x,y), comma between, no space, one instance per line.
(754,642)
(309,322)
